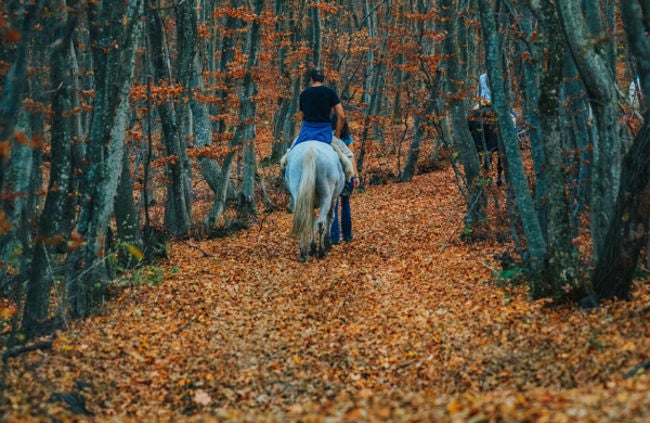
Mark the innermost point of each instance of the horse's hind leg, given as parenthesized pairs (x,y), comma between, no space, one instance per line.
(323,229)
(320,233)
(303,250)
(328,227)
(313,250)
(322,247)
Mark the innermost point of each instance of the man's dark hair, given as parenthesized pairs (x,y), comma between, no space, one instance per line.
(317,75)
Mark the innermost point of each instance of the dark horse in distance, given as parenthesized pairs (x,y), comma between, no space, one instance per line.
(482,123)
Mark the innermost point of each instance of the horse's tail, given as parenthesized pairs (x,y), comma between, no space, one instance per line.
(303,213)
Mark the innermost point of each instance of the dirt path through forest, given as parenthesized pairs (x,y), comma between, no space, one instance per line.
(398,325)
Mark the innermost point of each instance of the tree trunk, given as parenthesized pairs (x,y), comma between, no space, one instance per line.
(284,125)
(578,134)
(422,117)
(50,229)
(14,84)
(16,241)
(517,178)
(560,267)
(628,230)
(231,28)
(414,151)
(601,86)
(374,97)
(191,74)
(110,23)
(316,35)
(177,209)
(129,235)
(248,108)
(244,134)
(10,110)
(77,149)
(531,71)
(629,226)
(372,81)
(186,48)
(456,78)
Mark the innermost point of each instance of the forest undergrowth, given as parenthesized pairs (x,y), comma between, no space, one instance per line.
(404,323)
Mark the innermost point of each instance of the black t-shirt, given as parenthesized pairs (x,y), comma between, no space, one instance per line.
(317,102)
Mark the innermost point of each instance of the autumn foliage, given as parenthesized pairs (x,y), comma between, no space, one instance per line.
(404,323)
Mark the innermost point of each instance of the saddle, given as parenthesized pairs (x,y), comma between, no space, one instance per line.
(339,147)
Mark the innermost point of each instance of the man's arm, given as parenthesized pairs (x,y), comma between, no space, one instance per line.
(340,114)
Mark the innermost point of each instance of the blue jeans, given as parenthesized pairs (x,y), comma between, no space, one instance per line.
(318,131)
(346,219)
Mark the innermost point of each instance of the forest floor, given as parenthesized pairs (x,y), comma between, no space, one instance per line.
(404,323)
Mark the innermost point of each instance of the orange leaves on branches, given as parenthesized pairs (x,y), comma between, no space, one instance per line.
(326,7)
(214,152)
(161,93)
(243,13)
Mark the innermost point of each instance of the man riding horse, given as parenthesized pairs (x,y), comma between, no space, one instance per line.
(316,104)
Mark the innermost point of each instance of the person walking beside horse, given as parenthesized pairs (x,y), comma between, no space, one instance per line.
(344,199)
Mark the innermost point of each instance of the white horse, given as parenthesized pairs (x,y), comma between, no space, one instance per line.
(315,178)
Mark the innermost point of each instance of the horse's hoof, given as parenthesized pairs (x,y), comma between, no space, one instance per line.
(302,259)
